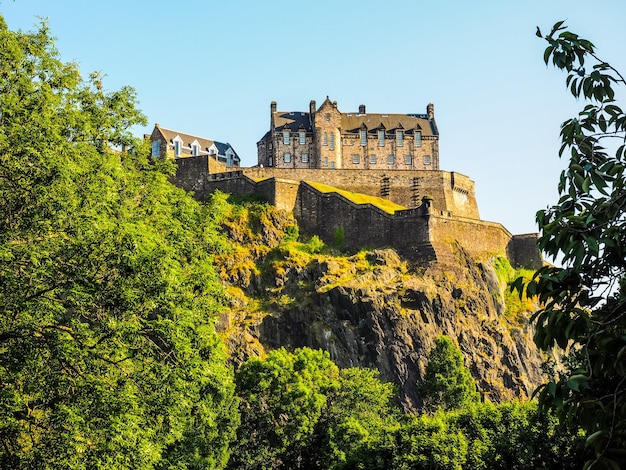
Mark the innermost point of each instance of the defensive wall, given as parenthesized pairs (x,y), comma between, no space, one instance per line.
(445,213)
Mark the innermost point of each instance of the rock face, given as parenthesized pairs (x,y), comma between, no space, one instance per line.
(374,310)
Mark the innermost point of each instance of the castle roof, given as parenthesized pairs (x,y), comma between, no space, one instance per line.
(408,122)
(188,139)
(293,119)
(352,122)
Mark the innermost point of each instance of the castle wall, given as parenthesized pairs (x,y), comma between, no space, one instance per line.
(480,238)
(191,174)
(451,192)
(424,233)
(523,251)
(325,213)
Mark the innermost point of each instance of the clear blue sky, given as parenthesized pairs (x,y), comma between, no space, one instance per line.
(212,68)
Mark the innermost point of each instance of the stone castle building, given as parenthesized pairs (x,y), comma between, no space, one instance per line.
(327,138)
(390,156)
(167,143)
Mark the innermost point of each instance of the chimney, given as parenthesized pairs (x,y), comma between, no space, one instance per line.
(273,107)
(361,109)
(312,107)
(430,110)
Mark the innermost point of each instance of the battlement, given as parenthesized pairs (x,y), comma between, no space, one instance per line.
(440,212)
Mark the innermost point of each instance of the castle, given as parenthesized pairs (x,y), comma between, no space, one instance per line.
(391,156)
(328,138)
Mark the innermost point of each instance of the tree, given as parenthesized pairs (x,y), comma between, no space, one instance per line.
(584,301)
(108,354)
(282,399)
(447,382)
(298,410)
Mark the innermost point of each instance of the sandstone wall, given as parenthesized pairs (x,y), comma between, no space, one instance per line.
(451,192)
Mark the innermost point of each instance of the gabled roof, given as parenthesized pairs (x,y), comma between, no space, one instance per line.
(223,147)
(188,139)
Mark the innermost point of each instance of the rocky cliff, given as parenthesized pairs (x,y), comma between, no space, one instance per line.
(373,309)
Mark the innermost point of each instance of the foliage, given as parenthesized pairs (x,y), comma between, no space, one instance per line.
(339,237)
(516,306)
(430,443)
(108,354)
(447,382)
(585,300)
(516,436)
(300,411)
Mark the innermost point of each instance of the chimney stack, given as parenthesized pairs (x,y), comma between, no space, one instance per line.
(430,110)
(312,107)
(273,107)
(362,109)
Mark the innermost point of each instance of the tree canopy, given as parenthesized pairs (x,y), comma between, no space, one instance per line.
(108,354)
(447,382)
(584,300)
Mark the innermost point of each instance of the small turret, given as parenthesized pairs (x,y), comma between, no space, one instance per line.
(430,110)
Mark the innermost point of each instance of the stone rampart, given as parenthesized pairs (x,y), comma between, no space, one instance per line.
(445,214)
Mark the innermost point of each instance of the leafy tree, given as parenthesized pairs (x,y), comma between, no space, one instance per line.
(430,442)
(357,430)
(514,435)
(282,400)
(298,410)
(108,354)
(585,300)
(447,382)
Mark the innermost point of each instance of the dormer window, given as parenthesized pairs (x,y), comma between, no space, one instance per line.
(178,146)
(286,137)
(381,138)
(195,148)
(302,137)
(399,138)
(363,137)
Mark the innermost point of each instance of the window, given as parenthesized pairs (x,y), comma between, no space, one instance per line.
(177,148)
(408,159)
(325,138)
(286,137)
(427,160)
(270,162)
(363,138)
(381,138)
(327,116)
(305,158)
(372,159)
(356,159)
(194,150)
(325,161)
(390,159)
(399,138)
(332,141)
(156,149)
(418,139)
(302,138)
(332,164)
(287,158)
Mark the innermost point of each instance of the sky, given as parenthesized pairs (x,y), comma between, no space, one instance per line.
(212,68)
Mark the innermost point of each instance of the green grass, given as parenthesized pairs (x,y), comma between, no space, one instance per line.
(358,198)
